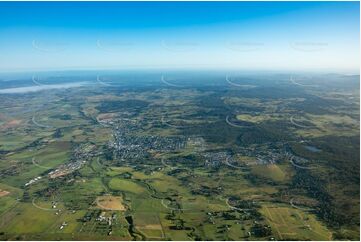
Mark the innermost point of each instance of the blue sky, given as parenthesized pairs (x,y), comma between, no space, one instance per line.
(282,36)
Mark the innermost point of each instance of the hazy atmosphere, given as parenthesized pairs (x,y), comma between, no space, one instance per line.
(198,35)
(179,121)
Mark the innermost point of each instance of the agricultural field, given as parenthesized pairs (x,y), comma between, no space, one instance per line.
(187,157)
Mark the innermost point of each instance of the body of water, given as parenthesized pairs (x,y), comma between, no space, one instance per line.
(15,90)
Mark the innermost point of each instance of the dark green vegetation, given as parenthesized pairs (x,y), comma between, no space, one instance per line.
(194,157)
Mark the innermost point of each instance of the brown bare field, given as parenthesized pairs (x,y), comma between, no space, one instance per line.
(106,116)
(11,124)
(59,174)
(110,203)
(3,193)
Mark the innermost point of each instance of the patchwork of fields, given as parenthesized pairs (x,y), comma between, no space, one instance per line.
(275,161)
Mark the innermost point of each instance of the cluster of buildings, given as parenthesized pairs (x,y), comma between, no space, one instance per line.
(197,143)
(65,169)
(215,158)
(127,145)
(108,220)
(102,217)
(33,181)
(62,226)
(258,156)
(80,156)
